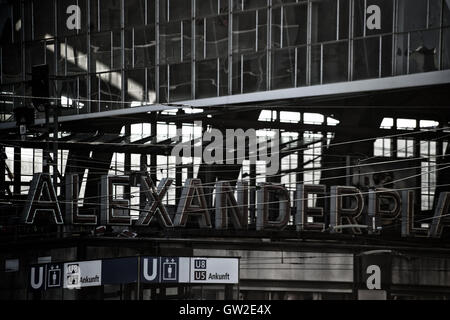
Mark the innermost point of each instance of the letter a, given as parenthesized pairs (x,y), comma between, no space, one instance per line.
(374,21)
(42,186)
(374,280)
(74,20)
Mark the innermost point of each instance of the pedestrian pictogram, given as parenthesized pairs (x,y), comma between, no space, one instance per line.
(170,269)
(54,276)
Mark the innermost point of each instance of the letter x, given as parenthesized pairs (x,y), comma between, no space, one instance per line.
(155,206)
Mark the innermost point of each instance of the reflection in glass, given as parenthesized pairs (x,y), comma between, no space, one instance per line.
(254,72)
(244,31)
(180,82)
(324,13)
(335,62)
(366,58)
(424,51)
(144,46)
(206,79)
(294,25)
(100,52)
(412,15)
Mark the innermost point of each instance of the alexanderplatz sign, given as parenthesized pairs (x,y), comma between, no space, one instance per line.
(346,206)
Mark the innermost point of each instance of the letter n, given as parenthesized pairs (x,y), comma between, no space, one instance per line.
(42,197)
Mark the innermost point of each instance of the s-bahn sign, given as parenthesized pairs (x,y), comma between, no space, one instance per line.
(347,206)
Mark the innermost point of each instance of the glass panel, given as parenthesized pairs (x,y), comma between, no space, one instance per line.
(236,74)
(262,29)
(343,18)
(244,31)
(134,13)
(76,54)
(294,25)
(335,62)
(223,76)
(324,13)
(254,72)
(110,14)
(253,4)
(170,42)
(446,48)
(412,15)
(82,105)
(135,87)
(435,13)
(315,64)
(43,15)
(446,9)
(34,55)
(151,86)
(11,63)
(101,52)
(94,94)
(401,54)
(283,68)
(180,82)
(301,66)
(280,2)
(162,10)
(276,28)
(187,37)
(386,56)
(94,22)
(27,21)
(127,50)
(424,51)
(200,38)
(179,9)
(361,17)
(206,79)
(216,36)
(163,84)
(110,91)
(151,11)
(144,46)
(205,8)
(366,58)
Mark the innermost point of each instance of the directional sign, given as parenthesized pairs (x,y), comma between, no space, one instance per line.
(82,274)
(79,274)
(214,270)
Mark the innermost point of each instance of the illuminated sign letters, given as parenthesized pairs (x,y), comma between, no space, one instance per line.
(42,197)
(348,208)
(193,203)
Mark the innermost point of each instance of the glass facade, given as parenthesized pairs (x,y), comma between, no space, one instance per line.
(137,52)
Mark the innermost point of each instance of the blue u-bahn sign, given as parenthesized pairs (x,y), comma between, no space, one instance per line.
(146,269)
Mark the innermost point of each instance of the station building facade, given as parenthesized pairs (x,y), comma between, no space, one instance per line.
(356,89)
